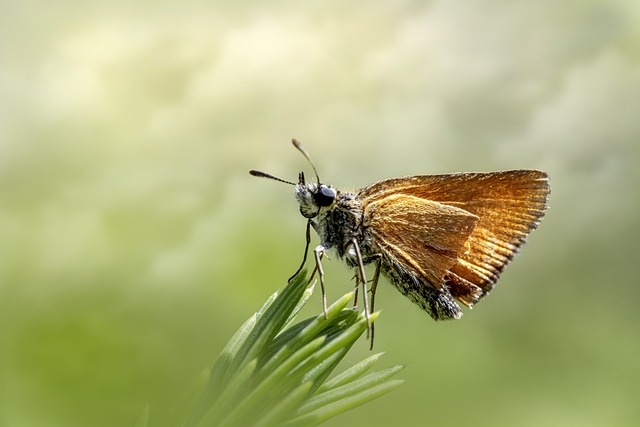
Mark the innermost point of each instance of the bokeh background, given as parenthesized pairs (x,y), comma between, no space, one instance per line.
(133,242)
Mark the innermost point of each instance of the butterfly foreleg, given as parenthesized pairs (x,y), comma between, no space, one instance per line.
(318,253)
(306,251)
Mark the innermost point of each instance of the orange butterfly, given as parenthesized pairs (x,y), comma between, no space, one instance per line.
(439,239)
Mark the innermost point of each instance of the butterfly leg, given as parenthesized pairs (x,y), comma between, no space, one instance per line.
(362,279)
(318,253)
(374,286)
(376,276)
(377,258)
(356,289)
(306,251)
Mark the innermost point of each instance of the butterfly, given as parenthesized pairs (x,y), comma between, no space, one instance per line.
(441,240)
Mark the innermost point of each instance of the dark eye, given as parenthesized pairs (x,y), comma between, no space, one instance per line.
(325,196)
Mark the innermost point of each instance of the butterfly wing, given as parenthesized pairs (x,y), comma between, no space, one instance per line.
(508,206)
(424,236)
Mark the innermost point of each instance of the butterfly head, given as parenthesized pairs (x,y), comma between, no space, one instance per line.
(313,196)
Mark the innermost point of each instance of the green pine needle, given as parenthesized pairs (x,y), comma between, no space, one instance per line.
(275,372)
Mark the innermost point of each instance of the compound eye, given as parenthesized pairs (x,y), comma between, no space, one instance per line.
(325,196)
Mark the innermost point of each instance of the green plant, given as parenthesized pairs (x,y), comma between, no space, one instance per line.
(274,372)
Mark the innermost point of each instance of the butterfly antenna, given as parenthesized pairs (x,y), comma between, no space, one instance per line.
(306,155)
(261,174)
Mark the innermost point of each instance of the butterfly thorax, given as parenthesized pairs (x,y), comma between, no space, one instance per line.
(340,223)
(335,215)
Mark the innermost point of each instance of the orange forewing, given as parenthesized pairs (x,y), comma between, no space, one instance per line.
(424,235)
(507,206)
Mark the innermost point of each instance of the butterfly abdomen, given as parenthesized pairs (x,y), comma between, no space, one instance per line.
(438,303)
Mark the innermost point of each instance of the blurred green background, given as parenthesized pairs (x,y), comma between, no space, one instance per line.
(133,242)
